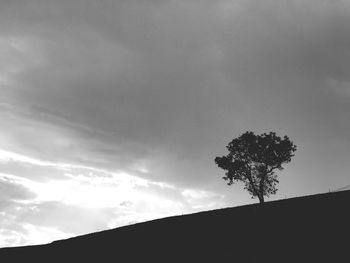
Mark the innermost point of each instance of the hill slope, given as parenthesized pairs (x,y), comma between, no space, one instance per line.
(306,229)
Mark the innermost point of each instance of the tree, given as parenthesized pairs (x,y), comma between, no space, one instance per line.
(253,159)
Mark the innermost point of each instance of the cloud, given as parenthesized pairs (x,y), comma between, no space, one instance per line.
(11,192)
(148,81)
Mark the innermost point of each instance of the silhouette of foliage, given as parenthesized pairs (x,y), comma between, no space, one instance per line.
(253,159)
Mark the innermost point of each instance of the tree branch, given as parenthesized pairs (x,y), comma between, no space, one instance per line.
(271,169)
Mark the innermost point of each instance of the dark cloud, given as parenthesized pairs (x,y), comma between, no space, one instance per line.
(169,83)
(11,192)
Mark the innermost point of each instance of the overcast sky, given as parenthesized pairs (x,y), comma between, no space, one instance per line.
(112,112)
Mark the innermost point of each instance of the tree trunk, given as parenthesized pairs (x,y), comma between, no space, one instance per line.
(261,199)
(261,188)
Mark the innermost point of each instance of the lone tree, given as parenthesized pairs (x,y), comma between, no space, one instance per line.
(253,160)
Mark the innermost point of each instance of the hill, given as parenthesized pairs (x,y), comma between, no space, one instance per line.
(305,229)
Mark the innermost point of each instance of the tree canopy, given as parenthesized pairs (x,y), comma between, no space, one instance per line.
(254,159)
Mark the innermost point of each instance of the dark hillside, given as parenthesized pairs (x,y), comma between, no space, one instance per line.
(305,229)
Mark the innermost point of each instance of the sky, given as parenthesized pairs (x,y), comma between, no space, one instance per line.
(112,112)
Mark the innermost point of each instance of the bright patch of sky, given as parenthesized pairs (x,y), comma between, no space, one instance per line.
(117,198)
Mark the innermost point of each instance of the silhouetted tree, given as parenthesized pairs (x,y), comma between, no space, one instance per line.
(253,160)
